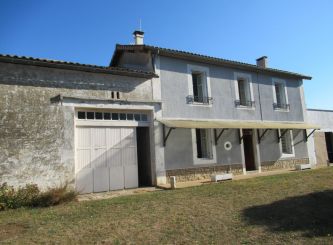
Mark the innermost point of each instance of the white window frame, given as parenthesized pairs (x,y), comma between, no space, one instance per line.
(205,72)
(248,78)
(196,160)
(284,155)
(283,82)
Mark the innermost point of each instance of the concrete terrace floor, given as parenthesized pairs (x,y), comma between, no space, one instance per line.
(179,185)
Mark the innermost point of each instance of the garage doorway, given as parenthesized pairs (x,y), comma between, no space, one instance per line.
(329,146)
(249,150)
(144,159)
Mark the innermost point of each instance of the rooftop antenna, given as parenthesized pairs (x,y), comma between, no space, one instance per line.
(140,27)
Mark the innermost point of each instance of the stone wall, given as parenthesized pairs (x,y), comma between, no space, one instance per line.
(200,173)
(282,164)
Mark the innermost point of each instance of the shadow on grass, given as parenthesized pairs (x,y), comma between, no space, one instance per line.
(311,214)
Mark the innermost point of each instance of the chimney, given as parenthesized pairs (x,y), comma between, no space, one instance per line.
(262,62)
(138,37)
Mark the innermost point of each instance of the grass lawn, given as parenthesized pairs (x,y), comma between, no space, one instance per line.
(290,208)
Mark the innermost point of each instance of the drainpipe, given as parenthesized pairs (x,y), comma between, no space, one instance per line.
(261,118)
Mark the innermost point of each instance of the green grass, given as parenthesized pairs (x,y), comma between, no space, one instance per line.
(291,208)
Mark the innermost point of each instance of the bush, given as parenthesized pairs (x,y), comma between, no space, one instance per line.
(31,196)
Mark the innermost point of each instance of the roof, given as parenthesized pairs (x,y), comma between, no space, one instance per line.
(74,66)
(203,59)
(209,123)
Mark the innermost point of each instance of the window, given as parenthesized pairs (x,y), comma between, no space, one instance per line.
(244,92)
(83,115)
(280,95)
(204,146)
(287,143)
(243,89)
(199,85)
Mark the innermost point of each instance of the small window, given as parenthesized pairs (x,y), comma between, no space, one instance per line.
(81,115)
(137,117)
(118,95)
(112,95)
(200,92)
(144,117)
(107,116)
(204,146)
(115,116)
(90,115)
(98,115)
(244,92)
(122,116)
(280,96)
(130,117)
(286,142)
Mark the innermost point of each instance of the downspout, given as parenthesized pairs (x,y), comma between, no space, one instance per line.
(261,117)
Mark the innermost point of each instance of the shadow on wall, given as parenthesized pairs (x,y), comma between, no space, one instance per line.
(311,214)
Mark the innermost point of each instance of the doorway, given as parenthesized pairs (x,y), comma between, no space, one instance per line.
(329,146)
(248,150)
(144,160)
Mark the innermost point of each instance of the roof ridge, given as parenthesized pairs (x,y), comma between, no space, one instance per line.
(212,58)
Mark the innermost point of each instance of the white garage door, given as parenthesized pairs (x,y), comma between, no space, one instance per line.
(106,159)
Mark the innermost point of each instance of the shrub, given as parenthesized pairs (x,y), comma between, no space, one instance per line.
(32,196)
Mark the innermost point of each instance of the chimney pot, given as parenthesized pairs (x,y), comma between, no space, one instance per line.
(262,62)
(138,37)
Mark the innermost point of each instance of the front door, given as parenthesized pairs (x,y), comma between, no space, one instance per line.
(248,149)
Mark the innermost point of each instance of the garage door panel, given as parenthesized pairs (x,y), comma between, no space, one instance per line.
(83,137)
(114,158)
(84,181)
(131,176)
(129,156)
(128,138)
(83,159)
(116,178)
(113,138)
(101,179)
(98,137)
(99,158)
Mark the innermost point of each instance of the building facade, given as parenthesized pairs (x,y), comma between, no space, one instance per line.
(153,113)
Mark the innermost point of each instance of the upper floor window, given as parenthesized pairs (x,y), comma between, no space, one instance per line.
(280,95)
(199,86)
(243,89)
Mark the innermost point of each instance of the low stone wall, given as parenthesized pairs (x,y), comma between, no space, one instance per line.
(281,164)
(200,173)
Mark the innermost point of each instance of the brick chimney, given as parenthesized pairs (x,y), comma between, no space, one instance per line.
(138,37)
(262,62)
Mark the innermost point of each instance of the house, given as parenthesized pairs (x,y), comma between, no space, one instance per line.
(151,114)
(321,142)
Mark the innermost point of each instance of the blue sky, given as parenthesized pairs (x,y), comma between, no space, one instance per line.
(296,35)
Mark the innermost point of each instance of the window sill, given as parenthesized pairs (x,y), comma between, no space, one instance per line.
(281,110)
(200,104)
(284,156)
(243,107)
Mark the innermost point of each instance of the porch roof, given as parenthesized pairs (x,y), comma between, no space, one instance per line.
(246,124)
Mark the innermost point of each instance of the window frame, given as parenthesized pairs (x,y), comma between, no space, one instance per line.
(247,78)
(204,71)
(285,90)
(291,135)
(196,160)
